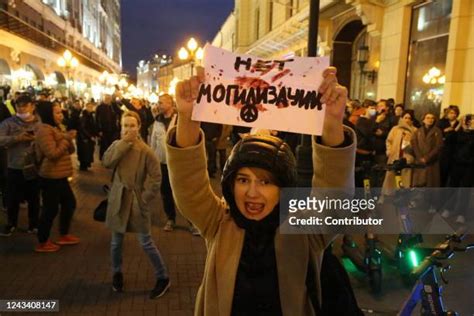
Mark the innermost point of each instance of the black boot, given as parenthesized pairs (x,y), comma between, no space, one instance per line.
(117,282)
(160,288)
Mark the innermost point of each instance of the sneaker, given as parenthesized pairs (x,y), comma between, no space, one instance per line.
(33,230)
(193,230)
(445,214)
(68,240)
(7,231)
(117,282)
(47,246)
(169,226)
(460,219)
(432,210)
(160,288)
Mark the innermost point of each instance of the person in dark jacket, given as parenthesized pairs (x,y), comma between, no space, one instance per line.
(448,125)
(74,116)
(145,114)
(365,142)
(462,172)
(212,132)
(107,123)
(86,137)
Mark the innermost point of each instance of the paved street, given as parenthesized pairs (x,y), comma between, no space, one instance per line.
(79,276)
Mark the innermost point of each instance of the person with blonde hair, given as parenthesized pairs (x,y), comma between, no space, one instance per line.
(135,183)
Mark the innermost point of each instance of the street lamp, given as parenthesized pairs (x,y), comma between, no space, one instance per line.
(69,63)
(193,52)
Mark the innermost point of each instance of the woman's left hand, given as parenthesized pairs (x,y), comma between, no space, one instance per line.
(335,98)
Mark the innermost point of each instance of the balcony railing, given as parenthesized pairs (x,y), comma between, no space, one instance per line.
(15,25)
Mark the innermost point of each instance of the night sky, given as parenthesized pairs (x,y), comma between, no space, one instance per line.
(163,26)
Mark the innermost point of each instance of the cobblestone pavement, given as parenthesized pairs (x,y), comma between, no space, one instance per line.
(80,278)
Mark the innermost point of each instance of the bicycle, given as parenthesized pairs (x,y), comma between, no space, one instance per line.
(427,289)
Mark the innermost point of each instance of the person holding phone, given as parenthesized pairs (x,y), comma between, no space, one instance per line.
(55,147)
(17,134)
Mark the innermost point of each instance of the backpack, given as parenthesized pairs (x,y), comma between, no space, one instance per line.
(32,162)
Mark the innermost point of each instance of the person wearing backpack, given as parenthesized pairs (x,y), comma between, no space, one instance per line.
(251,268)
(17,134)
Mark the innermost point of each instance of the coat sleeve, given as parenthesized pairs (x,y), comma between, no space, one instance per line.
(50,147)
(333,168)
(115,152)
(434,152)
(153,171)
(5,138)
(389,142)
(415,145)
(191,185)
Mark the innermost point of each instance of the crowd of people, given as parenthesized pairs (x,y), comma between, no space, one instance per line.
(442,149)
(170,152)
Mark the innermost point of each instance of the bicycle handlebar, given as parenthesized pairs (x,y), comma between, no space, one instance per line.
(443,251)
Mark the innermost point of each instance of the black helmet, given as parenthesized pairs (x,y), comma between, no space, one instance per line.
(262,151)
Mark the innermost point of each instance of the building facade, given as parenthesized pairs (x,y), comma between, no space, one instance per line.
(148,73)
(35,33)
(421,53)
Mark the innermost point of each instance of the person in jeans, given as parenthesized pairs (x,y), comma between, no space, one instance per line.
(54,148)
(16,134)
(163,120)
(136,182)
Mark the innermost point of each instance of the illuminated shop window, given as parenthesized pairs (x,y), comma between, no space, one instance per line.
(427,56)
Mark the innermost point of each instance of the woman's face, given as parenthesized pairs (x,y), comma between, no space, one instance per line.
(429,120)
(129,124)
(256,195)
(407,119)
(452,115)
(57,114)
(398,111)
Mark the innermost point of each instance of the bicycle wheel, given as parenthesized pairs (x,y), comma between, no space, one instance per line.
(375,280)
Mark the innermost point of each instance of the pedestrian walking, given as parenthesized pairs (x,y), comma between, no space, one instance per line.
(108,121)
(136,182)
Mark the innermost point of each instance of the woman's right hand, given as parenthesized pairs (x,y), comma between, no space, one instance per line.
(129,135)
(187,93)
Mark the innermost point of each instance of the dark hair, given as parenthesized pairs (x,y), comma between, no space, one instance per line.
(23,100)
(454,108)
(45,112)
(368,102)
(400,105)
(410,112)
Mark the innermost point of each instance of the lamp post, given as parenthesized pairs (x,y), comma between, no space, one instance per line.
(69,63)
(192,53)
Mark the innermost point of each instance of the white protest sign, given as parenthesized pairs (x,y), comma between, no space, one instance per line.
(272,94)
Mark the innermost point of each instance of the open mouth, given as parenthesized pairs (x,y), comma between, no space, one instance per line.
(254,208)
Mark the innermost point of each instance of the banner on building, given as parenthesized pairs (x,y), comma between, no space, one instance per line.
(277,94)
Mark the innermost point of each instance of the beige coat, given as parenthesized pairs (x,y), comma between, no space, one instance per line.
(136,181)
(224,239)
(393,143)
(428,146)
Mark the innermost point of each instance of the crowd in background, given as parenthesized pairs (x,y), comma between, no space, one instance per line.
(386,132)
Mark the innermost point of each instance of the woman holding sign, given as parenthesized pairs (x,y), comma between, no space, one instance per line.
(251,269)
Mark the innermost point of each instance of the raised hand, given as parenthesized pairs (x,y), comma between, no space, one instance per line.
(335,98)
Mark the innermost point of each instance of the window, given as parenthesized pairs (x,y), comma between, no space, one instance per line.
(427,56)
